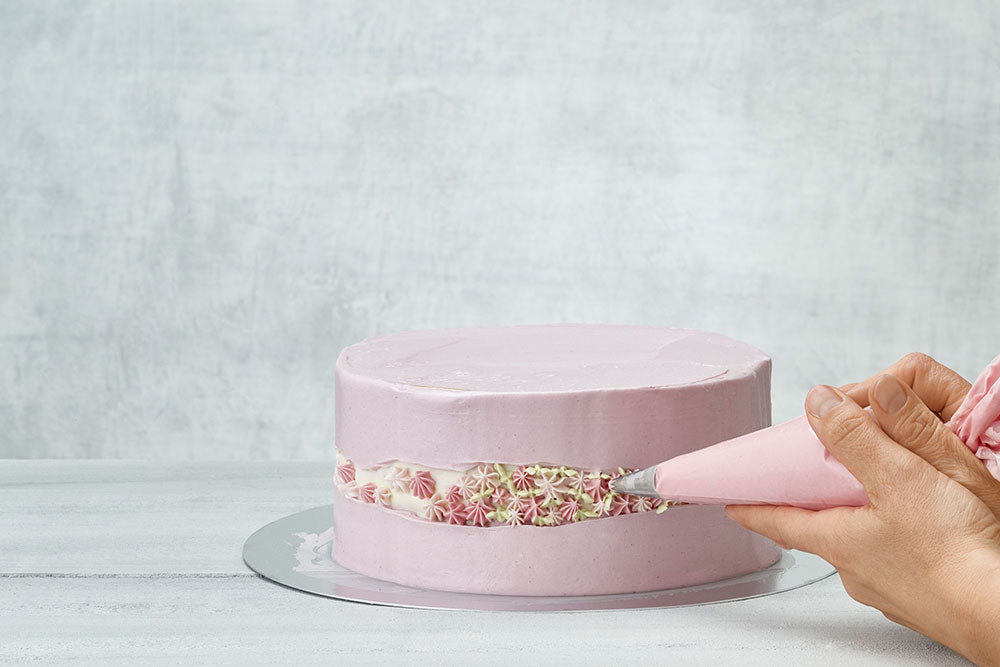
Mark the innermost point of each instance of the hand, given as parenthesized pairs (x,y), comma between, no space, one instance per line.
(926,550)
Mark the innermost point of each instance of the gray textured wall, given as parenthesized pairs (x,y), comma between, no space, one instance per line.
(202,202)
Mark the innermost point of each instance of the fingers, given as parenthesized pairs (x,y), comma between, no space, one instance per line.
(905,419)
(790,527)
(855,439)
(940,388)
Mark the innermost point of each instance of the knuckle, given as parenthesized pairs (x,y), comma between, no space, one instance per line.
(845,427)
(917,360)
(916,429)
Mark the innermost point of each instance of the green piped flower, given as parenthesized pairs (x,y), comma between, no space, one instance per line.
(552,503)
(502,471)
(663,507)
(481,495)
(499,514)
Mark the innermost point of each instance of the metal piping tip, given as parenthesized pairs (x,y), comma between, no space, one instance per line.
(638,483)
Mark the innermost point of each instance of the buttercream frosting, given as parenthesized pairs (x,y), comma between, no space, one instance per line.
(562,409)
(488,493)
(585,396)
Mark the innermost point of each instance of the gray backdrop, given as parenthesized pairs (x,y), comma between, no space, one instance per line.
(202,202)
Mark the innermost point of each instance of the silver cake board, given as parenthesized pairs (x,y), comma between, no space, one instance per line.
(295,552)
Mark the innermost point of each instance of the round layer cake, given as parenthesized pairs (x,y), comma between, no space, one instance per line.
(479,460)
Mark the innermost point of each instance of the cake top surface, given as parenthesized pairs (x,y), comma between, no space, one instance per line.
(550,358)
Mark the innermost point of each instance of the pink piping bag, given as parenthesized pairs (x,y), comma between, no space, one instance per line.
(787,465)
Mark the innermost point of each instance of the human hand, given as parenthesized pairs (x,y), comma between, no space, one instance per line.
(926,550)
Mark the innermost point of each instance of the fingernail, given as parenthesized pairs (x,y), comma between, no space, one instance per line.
(889,394)
(821,400)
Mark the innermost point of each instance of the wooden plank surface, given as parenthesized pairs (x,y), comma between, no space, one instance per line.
(111,560)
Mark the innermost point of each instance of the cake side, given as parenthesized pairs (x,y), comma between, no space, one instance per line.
(610,396)
(684,546)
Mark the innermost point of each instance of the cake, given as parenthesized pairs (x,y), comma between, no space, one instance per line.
(478,460)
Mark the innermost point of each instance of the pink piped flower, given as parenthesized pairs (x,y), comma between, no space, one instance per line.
(640,504)
(550,484)
(522,479)
(596,488)
(655,503)
(367,493)
(398,478)
(345,472)
(569,510)
(531,507)
(455,514)
(422,484)
(476,514)
(350,489)
(599,509)
(500,496)
(485,476)
(577,482)
(515,517)
(468,486)
(383,497)
(436,509)
(454,495)
(619,506)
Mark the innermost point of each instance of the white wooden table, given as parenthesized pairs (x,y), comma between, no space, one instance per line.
(106,561)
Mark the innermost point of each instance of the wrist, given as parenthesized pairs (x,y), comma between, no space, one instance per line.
(977,607)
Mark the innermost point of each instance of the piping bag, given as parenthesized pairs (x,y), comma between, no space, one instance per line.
(787,465)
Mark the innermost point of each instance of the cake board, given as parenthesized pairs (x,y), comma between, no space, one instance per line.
(295,552)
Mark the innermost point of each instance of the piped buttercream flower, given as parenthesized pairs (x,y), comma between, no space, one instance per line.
(550,484)
(422,484)
(436,509)
(350,489)
(366,492)
(531,507)
(598,509)
(640,503)
(522,479)
(619,506)
(515,517)
(454,495)
(345,472)
(476,513)
(569,510)
(500,496)
(455,514)
(595,487)
(468,486)
(398,478)
(576,480)
(383,496)
(485,476)
(498,514)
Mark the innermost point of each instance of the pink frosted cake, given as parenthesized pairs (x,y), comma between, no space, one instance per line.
(478,460)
